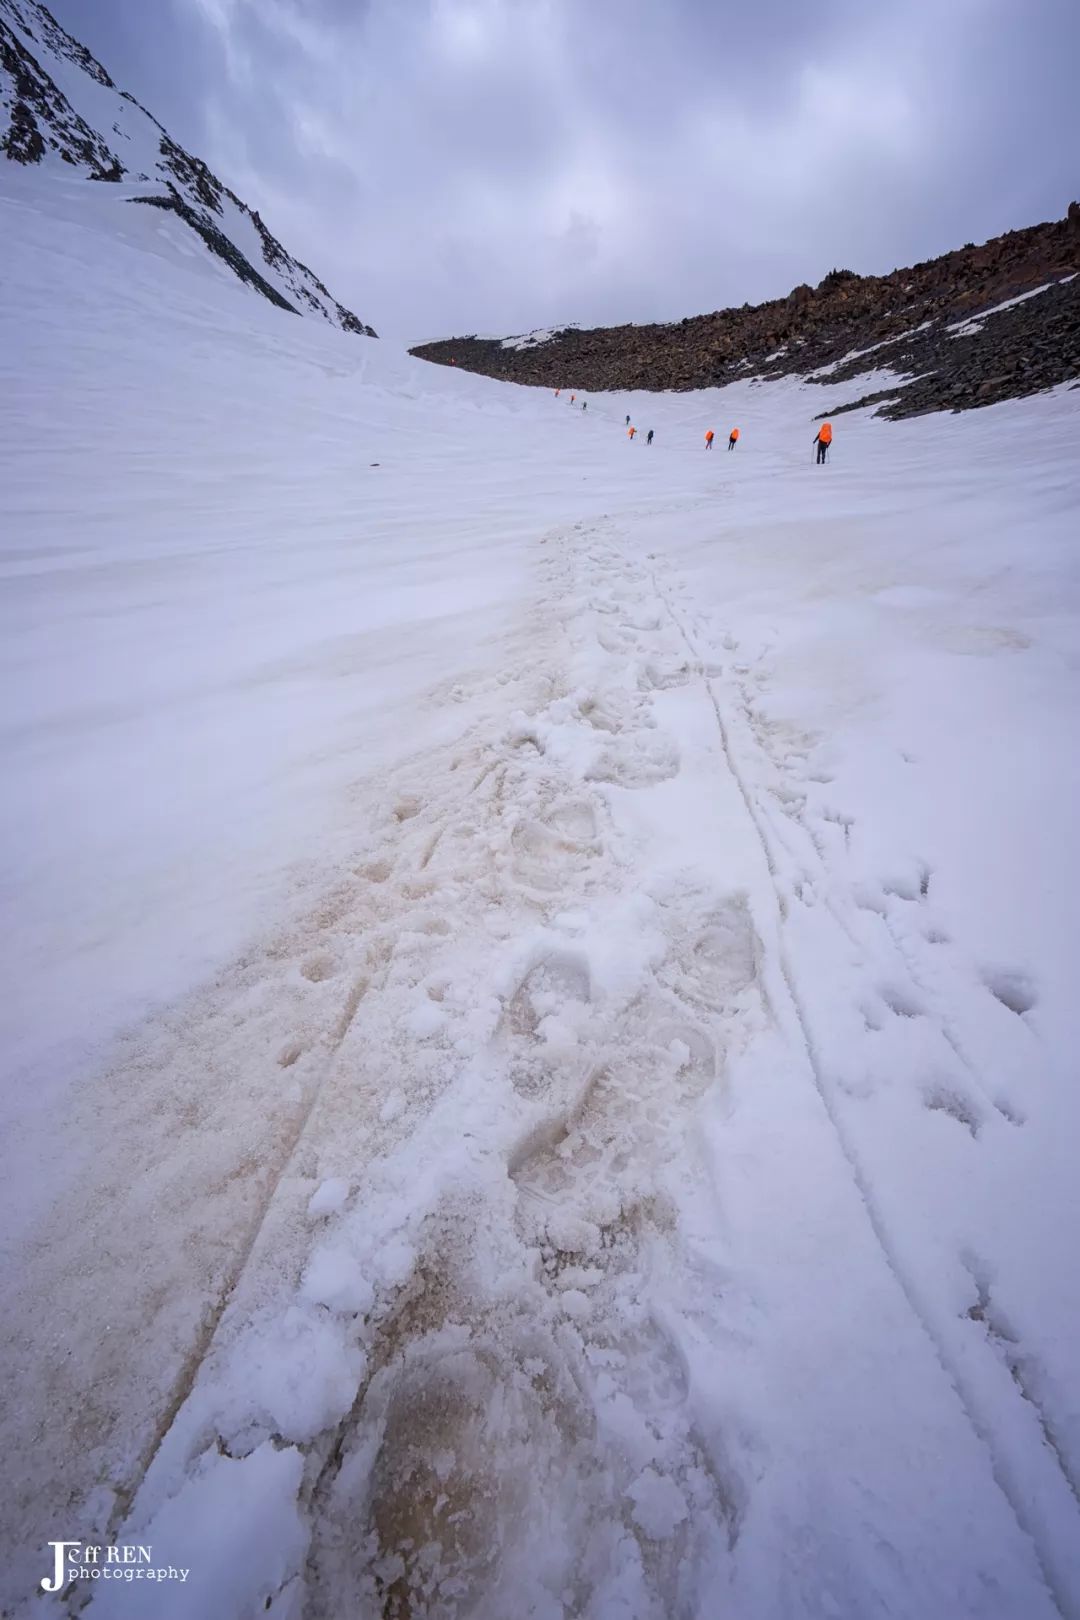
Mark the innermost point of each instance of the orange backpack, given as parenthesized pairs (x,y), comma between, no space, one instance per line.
(825,433)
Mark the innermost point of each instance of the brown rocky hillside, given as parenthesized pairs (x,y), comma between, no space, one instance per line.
(1029,346)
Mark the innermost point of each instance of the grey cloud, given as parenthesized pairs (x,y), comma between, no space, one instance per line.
(460,165)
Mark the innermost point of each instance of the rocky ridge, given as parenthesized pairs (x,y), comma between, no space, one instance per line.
(59,106)
(936,327)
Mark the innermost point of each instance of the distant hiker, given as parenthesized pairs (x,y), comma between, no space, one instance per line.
(584,404)
(630,432)
(558,391)
(734,439)
(628,421)
(709,439)
(648,436)
(572,398)
(823,441)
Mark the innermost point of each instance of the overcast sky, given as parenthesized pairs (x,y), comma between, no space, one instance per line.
(452,166)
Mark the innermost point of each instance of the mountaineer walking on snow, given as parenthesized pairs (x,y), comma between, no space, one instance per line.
(734,439)
(630,433)
(709,439)
(823,441)
(584,404)
(628,421)
(648,436)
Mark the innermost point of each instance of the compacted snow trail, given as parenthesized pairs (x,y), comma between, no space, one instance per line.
(520,1327)
(560,1070)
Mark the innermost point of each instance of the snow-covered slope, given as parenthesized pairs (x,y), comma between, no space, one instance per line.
(542,334)
(58,106)
(540,1013)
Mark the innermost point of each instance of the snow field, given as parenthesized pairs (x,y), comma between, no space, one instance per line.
(542,1018)
(505,1273)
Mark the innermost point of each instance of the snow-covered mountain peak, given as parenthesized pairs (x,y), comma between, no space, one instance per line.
(58,105)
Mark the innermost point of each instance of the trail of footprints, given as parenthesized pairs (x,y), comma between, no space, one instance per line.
(515,1364)
(564,1373)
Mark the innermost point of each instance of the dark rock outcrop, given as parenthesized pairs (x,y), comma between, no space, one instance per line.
(219,244)
(42,118)
(38,124)
(902,317)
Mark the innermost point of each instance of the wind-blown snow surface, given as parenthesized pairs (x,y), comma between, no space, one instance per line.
(593,928)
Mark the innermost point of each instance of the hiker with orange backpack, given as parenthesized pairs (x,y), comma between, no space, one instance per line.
(630,433)
(709,439)
(734,439)
(823,441)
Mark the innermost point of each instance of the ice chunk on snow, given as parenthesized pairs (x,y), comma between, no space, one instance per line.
(333,1279)
(425,1020)
(238,1572)
(328,1198)
(576,1304)
(659,1507)
(556,1033)
(301,1374)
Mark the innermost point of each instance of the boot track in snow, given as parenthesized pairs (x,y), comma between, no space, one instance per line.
(456,1343)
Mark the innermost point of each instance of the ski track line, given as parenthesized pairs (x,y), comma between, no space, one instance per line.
(79,1595)
(189,1371)
(934,1005)
(981,1423)
(126,1493)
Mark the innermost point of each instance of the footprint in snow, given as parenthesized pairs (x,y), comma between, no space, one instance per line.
(550,848)
(556,979)
(318,968)
(1012,987)
(945,1097)
(717,961)
(638,763)
(657,677)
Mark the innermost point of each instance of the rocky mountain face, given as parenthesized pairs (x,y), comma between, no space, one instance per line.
(937,328)
(58,106)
